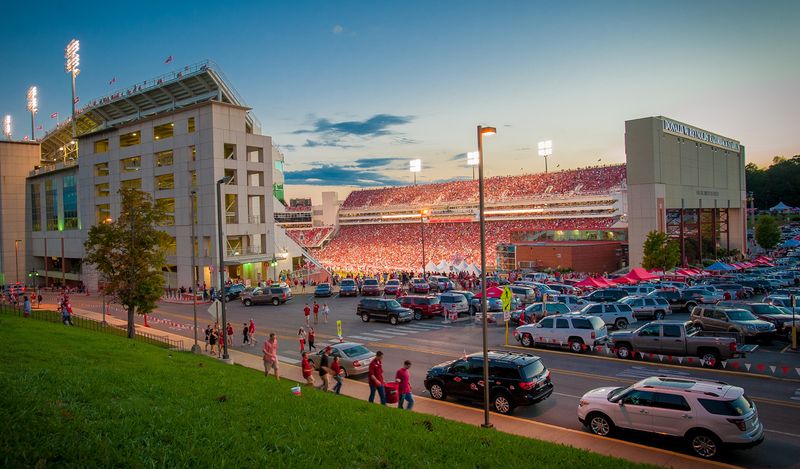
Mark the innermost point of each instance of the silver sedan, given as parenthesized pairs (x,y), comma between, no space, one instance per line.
(354,358)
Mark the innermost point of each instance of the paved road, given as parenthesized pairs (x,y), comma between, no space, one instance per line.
(430,342)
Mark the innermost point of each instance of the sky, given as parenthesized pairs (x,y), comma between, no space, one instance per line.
(352,91)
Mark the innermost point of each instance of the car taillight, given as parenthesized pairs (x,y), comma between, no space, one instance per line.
(284,295)
(732,346)
(356,363)
(739,423)
(527,386)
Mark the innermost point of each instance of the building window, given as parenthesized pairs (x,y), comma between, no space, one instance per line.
(160,132)
(102,190)
(70,200)
(171,247)
(229,150)
(231,209)
(193,151)
(130,139)
(191,125)
(36,207)
(231,173)
(279,165)
(101,146)
(51,205)
(164,158)
(130,165)
(102,213)
(193,177)
(131,184)
(165,182)
(101,169)
(168,205)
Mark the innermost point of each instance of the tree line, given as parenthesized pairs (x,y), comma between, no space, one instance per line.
(776,183)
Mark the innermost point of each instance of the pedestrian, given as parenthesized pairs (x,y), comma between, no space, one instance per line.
(325,312)
(245,334)
(301,337)
(311,337)
(270,352)
(307,370)
(229,331)
(403,380)
(67,312)
(212,340)
(338,375)
(307,313)
(26,306)
(325,371)
(252,332)
(376,378)
(39,300)
(316,311)
(208,335)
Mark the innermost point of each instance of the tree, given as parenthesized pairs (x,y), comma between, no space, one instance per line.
(660,252)
(767,232)
(129,253)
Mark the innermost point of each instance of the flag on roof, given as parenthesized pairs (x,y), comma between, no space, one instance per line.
(169,59)
(76,100)
(54,115)
(112,81)
(40,127)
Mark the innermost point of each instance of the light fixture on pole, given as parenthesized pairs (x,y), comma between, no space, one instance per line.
(472,160)
(221,268)
(33,107)
(415,166)
(545,149)
(71,66)
(7,126)
(195,347)
(484,307)
(423,215)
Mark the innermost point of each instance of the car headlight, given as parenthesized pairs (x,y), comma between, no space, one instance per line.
(750,327)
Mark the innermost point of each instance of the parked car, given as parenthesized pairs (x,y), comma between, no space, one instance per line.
(383,309)
(573,302)
(536,311)
(323,289)
(233,292)
(473,306)
(393,287)
(636,290)
(525,295)
(617,315)
(679,339)
(647,307)
(517,379)
(777,300)
(423,306)
(354,358)
(721,318)
(454,303)
(573,331)
(708,415)
(606,295)
(370,287)
(564,289)
(780,317)
(348,287)
(440,283)
(420,285)
(702,295)
(678,300)
(275,295)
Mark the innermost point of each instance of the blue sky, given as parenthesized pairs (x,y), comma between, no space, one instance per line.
(353,90)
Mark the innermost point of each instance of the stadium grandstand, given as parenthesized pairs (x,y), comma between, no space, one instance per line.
(382,229)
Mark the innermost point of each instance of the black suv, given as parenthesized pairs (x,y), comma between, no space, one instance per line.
(678,301)
(607,295)
(516,379)
(383,309)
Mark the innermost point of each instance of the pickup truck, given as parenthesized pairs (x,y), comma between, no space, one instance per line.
(679,339)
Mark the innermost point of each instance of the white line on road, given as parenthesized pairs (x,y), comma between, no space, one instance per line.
(782,433)
(291,361)
(391,332)
(359,337)
(417,328)
(382,336)
(566,395)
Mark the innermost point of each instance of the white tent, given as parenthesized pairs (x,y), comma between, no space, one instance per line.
(430,267)
(463,266)
(443,266)
(472,269)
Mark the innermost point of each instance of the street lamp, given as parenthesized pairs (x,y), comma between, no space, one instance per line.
(481,132)
(545,149)
(195,347)
(422,215)
(221,246)
(415,166)
(472,160)
(7,126)
(73,61)
(33,107)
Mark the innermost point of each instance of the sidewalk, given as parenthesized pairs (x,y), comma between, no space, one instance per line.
(469,415)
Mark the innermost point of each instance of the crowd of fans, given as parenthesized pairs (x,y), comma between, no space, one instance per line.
(298,208)
(388,247)
(498,189)
(310,237)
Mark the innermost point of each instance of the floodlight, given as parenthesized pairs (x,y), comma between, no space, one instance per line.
(415,166)
(473,158)
(488,130)
(546,148)
(7,126)
(73,59)
(33,100)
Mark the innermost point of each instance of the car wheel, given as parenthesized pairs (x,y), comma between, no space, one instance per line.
(621,323)
(600,425)
(437,391)
(704,444)
(623,351)
(365,317)
(659,315)
(276,302)
(690,306)
(247,302)
(527,340)
(417,315)
(576,345)
(393,320)
(502,403)
(710,359)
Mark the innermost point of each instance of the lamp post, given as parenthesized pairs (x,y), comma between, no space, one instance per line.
(415,166)
(195,347)
(73,61)
(221,245)
(481,132)
(33,107)
(545,149)
(422,214)
(16,259)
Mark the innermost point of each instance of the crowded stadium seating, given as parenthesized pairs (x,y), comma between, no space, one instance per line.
(311,237)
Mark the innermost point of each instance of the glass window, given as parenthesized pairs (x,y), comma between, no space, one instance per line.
(190,126)
(642,398)
(130,139)
(51,205)
(131,184)
(672,330)
(101,146)
(102,190)
(460,366)
(595,309)
(533,369)
(734,408)
(653,330)
(132,164)
(581,323)
(164,158)
(562,324)
(165,182)
(102,212)
(36,207)
(70,201)
(160,132)
(229,151)
(355,351)
(670,401)
(476,366)
(547,322)
(101,169)
(193,178)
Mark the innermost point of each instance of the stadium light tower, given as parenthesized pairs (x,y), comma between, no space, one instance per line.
(7,126)
(484,307)
(472,160)
(33,107)
(545,149)
(73,61)
(415,166)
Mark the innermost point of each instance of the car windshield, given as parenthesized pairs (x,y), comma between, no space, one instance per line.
(392,304)
(355,351)
(432,301)
(323,285)
(370,282)
(768,309)
(740,315)
(617,392)
(531,370)
(419,280)
(393,282)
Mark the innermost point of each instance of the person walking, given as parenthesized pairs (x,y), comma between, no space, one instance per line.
(307,312)
(212,340)
(338,375)
(39,300)
(26,306)
(311,337)
(245,334)
(308,373)
(208,335)
(229,331)
(325,370)
(66,313)
(270,352)
(301,337)
(252,332)
(376,378)
(403,380)
(316,312)
(325,312)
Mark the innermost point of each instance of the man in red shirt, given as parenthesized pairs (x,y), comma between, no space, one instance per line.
(308,371)
(403,380)
(316,311)
(307,312)
(376,378)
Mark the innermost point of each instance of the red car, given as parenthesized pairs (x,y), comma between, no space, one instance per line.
(371,287)
(392,287)
(420,285)
(423,306)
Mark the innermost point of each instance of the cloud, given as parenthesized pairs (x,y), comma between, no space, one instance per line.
(334,143)
(338,29)
(405,140)
(385,162)
(375,126)
(288,147)
(458,157)
(325,174)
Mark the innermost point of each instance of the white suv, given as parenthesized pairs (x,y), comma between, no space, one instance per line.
(708,414)
(618,315)
(576,332)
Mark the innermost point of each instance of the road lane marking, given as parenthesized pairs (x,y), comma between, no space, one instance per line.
(376,334)
(782,433)
(796,396)
(391,332)
(359,337)
(566,395)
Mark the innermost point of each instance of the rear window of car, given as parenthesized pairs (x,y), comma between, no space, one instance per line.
(447,299)
(597,322)
(370,282)
(355,351)
(348,283)
(431,301)
(275,291)
(623,308)
(532,370)
(581,323)
(734,408)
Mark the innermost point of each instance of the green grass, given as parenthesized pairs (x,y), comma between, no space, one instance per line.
(72,397)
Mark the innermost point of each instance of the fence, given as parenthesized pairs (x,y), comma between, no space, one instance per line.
(97,326)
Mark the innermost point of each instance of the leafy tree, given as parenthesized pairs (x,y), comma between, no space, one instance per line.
(660,252)
(776,183)
(767,232)
(129,253)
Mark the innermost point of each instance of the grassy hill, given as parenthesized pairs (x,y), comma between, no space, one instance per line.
(72,397)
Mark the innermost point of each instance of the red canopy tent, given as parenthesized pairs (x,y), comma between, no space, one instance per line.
(491,292)
(636,275)
(590,282)
(624,280)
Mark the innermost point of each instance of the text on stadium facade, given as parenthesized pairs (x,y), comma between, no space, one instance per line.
(682,129)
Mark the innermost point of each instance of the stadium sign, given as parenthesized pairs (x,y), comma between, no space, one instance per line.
(683,130)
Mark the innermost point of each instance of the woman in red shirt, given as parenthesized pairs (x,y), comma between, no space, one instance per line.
(308,371)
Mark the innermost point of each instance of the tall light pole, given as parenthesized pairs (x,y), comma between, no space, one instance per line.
(481,132)
(472,160)
(415,166)
(73,61)
(33,107)
(545,149)
(221,245)
(16,259)
(752,217)
(195,347)
(422,215)
(107,221)
(7,126)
